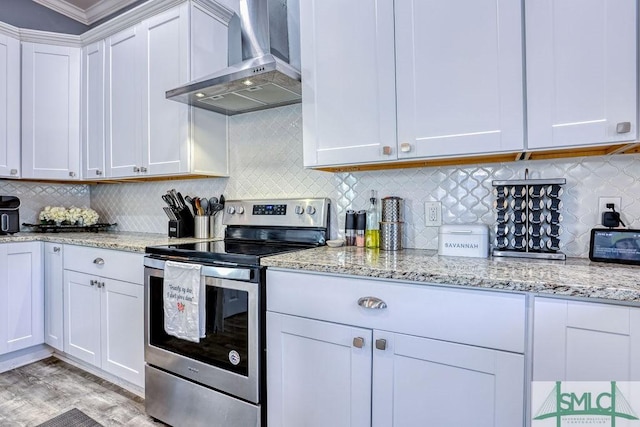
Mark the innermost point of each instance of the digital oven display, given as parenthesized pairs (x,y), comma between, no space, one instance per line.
(621,246)
(269,209)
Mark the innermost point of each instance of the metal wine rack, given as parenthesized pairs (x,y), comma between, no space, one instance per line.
(528,217)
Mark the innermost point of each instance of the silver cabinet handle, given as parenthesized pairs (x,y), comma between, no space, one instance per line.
(98,261)
(372,302)
(623,127)
(56,249)
(381,344)
(358,342)
(4,222)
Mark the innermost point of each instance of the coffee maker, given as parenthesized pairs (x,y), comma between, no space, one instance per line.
(9,215)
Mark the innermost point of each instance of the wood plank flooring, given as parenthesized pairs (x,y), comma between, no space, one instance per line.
(34,393)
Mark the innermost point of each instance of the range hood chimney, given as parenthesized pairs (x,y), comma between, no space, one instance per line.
(265,78)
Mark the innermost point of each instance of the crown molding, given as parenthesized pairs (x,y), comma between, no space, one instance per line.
(66,9)
(105,8)
(222,13)
(9,30)
(127,20)
(47,37)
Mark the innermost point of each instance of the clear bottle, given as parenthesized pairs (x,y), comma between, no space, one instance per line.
(372,234)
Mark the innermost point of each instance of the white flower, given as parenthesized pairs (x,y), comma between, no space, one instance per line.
(73,215)
(89,216)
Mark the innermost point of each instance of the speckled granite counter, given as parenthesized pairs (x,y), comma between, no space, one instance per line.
(575,277)
(118,240)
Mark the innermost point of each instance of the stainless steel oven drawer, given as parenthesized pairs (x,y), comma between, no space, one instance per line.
(198,406)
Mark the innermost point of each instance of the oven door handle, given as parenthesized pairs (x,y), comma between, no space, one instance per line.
(233,273)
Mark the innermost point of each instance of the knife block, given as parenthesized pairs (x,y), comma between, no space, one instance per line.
(183,226)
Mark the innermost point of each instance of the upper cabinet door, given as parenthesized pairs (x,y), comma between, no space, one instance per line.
(9,107)
(459,77)
(93,136)
(166,66)
(50,112)
(124,80)
(348,81)
(581,72)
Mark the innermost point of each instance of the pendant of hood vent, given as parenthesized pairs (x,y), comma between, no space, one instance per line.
(269,74)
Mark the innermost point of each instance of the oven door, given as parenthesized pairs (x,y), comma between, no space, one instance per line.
(226,359)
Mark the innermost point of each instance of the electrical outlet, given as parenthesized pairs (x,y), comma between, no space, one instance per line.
(432,214)
(602,206)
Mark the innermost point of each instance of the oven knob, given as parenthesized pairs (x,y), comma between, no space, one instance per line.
(231,210)
(299,210)
(240,210)
(311,210)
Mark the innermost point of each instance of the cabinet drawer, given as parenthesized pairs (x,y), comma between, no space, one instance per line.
(119,265)
(482,318)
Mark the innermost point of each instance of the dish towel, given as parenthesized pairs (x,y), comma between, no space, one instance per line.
(184,316)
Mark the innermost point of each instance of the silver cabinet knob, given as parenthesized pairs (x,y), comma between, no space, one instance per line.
(387,150)
(143,169)
(358,342)
(98,261)
(381,344)
(623,127)
(72,174)
(136,169)
(93,282)
(13,171)
(56,249)
(311,210)
(405,147)
(98,172)
(100,284)
(372,302)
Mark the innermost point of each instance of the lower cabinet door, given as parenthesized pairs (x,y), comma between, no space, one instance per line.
(21,296)
(424,382)
(82,317)
(319,373)
(122,312)
(53,296)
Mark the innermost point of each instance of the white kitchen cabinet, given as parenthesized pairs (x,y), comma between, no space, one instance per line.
(123,93)
(21,296)
(333,362)
(104,313)
(459,77)
(581,72)
(148,135)
(53,296)
(9,107)
(584,341)
(456,78)
(50,112)
(348,81)
(93,107)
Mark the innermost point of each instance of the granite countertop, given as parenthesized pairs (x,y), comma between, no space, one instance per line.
(575,277)
(118,240)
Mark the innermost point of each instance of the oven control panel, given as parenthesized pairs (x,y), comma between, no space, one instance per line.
(311,212)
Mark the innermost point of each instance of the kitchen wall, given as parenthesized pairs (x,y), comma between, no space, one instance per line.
(266,161)
(35,196)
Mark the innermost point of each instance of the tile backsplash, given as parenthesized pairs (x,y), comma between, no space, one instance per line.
(266,161)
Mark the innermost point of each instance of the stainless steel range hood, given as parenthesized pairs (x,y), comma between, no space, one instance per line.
(266,77)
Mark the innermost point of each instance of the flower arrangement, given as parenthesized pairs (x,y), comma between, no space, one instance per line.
(71,216)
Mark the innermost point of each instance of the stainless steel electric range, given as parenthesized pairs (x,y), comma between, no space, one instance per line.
(220,380)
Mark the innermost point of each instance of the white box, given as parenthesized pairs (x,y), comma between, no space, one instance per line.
(468,240)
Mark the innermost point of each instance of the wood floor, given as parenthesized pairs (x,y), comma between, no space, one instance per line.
(35,393)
